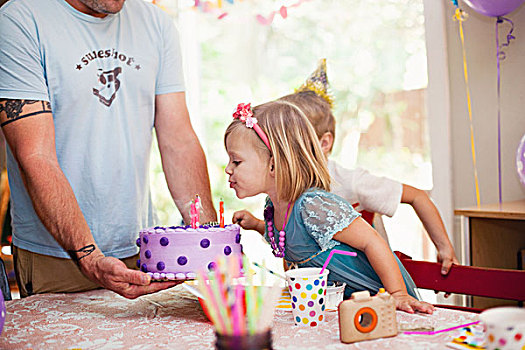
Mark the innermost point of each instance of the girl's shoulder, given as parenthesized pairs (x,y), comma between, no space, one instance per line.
(315,197)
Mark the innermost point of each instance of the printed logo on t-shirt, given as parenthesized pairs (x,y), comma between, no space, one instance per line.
(108,82)
(109,85)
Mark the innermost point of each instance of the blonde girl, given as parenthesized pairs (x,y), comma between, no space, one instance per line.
(273,149)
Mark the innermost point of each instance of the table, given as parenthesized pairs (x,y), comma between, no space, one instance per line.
(492,236)
(173,319)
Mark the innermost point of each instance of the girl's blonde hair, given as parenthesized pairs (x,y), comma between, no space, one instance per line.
(298,159)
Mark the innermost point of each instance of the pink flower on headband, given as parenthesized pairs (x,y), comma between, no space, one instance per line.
(244,114)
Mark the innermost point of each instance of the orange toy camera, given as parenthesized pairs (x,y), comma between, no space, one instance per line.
(364,317)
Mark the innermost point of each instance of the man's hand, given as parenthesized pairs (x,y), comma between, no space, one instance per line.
(113,274)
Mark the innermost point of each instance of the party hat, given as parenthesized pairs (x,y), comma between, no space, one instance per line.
(318,83)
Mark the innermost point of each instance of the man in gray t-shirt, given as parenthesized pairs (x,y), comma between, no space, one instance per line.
(83,83)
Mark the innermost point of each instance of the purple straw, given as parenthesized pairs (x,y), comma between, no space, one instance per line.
(335,251)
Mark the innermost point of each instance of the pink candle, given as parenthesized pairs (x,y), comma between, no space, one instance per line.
(197,211)
(193,215)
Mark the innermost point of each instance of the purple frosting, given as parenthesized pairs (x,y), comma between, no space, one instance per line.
(161,266)
(147,254)
(211,266)
(138,242)
(205,243)
(238,238)
(182,260)
(227,250)
(164,241)
(144,268)
(145,239)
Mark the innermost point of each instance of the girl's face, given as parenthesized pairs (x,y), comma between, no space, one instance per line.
(248,170)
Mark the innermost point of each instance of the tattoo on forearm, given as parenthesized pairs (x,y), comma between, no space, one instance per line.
(77,255)
(14,109)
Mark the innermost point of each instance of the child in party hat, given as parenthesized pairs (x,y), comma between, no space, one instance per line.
(372,193)
(273,149)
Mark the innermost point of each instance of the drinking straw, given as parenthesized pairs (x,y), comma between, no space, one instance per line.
(209,302)
(221,301)
(443,330)
(271,297)
(223,290)
(249,295)
(335,251)
(259,294)
(237,308)
(270,271)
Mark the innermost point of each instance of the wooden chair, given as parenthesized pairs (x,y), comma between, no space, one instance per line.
(467,280)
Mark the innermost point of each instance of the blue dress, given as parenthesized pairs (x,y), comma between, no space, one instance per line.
(315,218)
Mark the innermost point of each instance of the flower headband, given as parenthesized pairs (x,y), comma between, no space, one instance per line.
(245,114)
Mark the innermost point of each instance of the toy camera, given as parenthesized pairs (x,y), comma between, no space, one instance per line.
(363,317)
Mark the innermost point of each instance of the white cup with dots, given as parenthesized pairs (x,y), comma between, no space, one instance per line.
(504,328)
(307,288)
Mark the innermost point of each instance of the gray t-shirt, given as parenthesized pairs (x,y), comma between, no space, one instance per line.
(101,76)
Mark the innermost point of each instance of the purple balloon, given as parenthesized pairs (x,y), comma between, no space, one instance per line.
(494,8)
(520,160)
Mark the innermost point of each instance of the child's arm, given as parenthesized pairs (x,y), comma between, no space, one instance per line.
(362,236)
(429,216)
(247,221)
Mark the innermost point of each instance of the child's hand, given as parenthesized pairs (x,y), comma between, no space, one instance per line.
(247,221)
(409,304)
(447,257)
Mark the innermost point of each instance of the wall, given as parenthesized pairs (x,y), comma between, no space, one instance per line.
(448,115)
(482,68)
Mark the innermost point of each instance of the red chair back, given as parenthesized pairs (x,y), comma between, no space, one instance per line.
(368,216)
(468,280)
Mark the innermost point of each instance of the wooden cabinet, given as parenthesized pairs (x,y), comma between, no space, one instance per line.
(493,235)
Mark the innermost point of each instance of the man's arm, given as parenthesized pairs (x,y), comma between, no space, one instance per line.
(29,130)
(183,159)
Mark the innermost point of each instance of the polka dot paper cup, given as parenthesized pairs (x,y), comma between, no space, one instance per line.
(504,328)
(307,287)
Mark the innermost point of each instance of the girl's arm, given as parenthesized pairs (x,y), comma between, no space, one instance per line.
(247,221)
(429,216)
(362,236)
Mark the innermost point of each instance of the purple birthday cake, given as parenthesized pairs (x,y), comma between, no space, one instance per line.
(178,252)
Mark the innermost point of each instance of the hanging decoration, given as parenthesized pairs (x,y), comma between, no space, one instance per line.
(497,9)
(216,7)
(500,55)
(520,161)
(283,12)
(461,16)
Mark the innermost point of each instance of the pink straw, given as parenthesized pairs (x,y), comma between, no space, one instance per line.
(335,251)
(443,330)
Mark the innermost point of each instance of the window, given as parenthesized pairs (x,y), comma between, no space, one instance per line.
(376,59)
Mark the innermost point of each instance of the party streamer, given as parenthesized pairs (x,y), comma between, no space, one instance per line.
(461,16)
(500,55)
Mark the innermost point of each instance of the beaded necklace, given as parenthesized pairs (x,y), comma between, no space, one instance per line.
(278,249)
